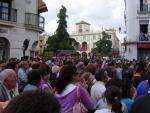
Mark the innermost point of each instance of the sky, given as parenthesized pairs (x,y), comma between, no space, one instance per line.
(99,13)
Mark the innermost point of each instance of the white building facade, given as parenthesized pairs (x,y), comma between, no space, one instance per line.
(20,20)
(137,18)
(87,38)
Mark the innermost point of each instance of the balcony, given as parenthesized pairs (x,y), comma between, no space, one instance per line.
(143,9)
(8,16)
(34,22)
(143,37)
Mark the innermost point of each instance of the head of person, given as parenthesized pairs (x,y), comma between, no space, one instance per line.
(34,77)
(8,78)
(87,79)
(67,75)
(80,67)
(127,73)
(126,88)
(114,82)
(33,102)
(55,69)
(101,76)
(111,70)
(113,98)
(45,72)
(12,65)
(24,64)
(91,68)
(35,65)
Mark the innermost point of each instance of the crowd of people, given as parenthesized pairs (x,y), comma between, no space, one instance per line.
(38,85)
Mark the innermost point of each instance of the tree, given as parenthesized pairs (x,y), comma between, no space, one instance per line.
(61,39)
(104,45)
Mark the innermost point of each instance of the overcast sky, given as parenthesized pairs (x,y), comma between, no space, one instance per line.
(99,13)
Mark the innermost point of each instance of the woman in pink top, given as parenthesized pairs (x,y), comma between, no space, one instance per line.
(67,91)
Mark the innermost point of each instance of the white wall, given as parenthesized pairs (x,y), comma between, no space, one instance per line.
(18,34)
(131,52)
(131,20)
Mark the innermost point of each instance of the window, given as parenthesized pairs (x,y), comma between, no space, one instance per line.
(143,5)
(4,9)
(80,30)
(84,37)
(99,37)
(144,36)
(109,36)
(94,37)
(80,26)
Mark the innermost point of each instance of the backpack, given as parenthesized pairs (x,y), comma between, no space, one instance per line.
(78,106)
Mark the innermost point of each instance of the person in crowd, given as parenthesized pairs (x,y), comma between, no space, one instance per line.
(87,80)
(111,70)
(92,69)
(22,75)
(119,71)
(54,75)
(114,82)
(45,83)
(113,98)
(117,83)
(12,65)
(67,90)
(98,89)
(137,77)
(80,67)
(33,102)
(34,65)
(142,88)
(34,79)
(126,93)
(141,103)
(8,81)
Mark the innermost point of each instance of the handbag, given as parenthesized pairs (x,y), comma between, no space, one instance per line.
(78,106)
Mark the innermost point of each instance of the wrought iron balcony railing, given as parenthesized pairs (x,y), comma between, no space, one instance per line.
(34,21)
(8,14)
(143,8)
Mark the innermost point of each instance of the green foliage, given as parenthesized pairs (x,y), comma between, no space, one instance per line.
(61,40)
(104,45)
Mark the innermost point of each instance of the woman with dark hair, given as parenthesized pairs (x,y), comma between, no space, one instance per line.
(45,83)
(127,88)
(34,79)
(12,65)
(67,91)
(33,102)
(113,98)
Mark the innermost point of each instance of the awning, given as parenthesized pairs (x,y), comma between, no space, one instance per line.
(42,6)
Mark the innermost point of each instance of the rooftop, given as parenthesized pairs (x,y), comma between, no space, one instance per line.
(83,22)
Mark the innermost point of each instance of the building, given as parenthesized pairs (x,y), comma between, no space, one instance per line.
(42,43)
(87,38)
(137,19)
(20,20)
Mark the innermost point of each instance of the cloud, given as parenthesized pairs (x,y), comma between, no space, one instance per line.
(98,13)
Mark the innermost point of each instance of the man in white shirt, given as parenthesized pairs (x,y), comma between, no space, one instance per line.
(8,81)
(98,89)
